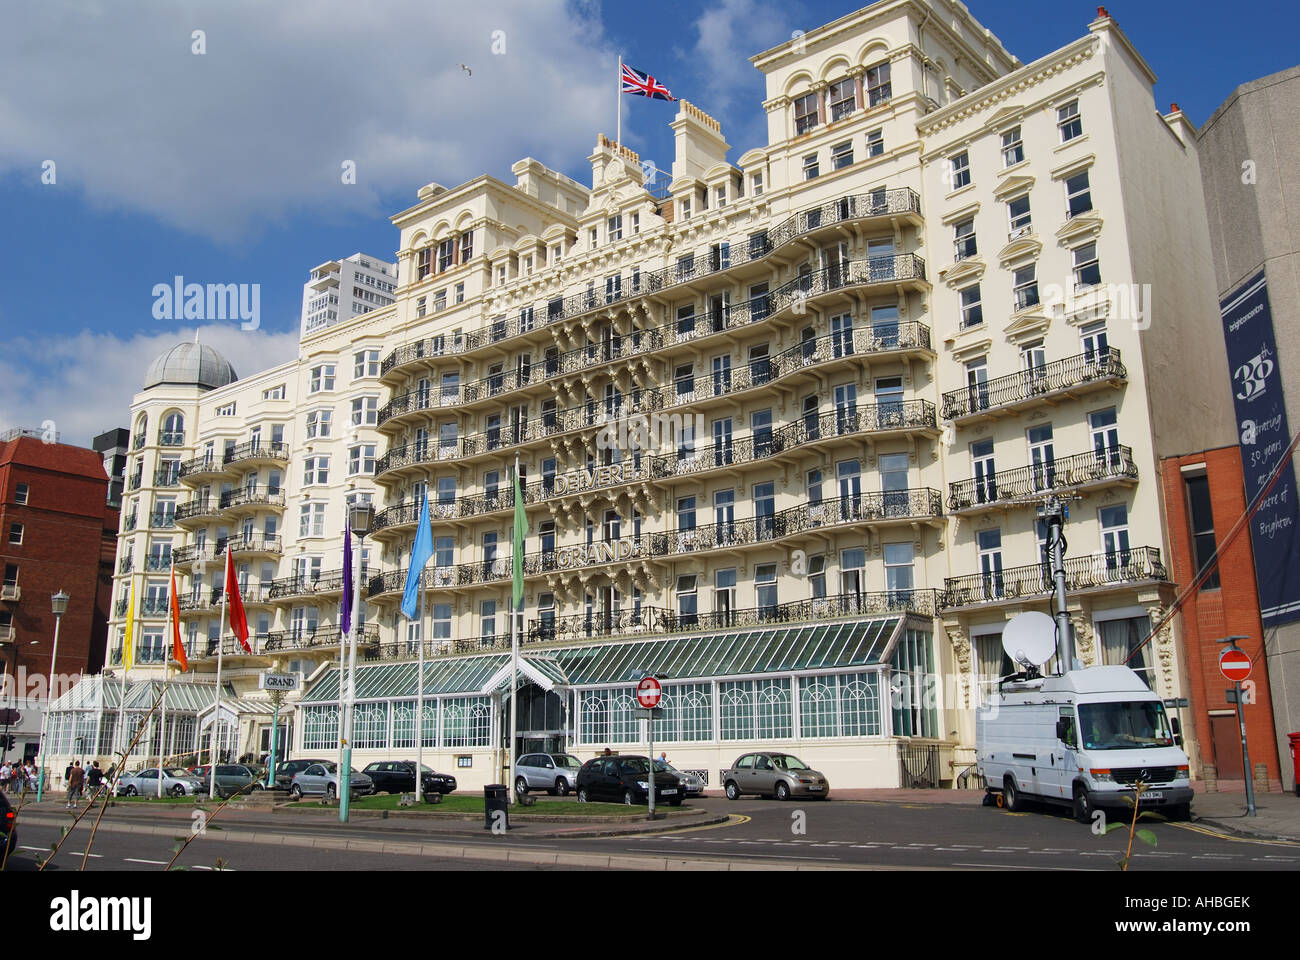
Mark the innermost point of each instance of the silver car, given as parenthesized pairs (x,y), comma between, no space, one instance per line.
(176,782)
(691,782)
(556,773)
(323,779)
(779,775)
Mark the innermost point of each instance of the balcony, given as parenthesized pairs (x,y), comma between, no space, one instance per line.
(268,546)
(133,483)
(1094,573)
(11,592)
(129,523)
(125,565)
(171,438)
(137,442)
(157,564)
(184,556)
(285,588)
(1050,382)
(166,478)
(884,507)
(147,607)
(198,511)
(250,500)
(323,637)
(201,468)
(1081,471)
(162,519)
(902,203)
(256,451)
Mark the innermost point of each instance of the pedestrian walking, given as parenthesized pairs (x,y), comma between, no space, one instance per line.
(75,781)
(94,779)
(6,771)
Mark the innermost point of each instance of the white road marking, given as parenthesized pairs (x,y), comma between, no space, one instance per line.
(157,863)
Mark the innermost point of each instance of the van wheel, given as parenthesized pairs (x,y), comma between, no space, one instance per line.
(1082,808)
(1180,812)
(1015,802)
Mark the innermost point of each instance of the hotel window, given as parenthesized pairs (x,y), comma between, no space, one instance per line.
(843,98)
(875,143)
(898,571)
(1026,286)
(817,577)
(446,254)
(1201,516)
(720,196)
(1104,429)
(226,410)
(964,243)
(16,534)
(636,223)
(322,378)
(444,553)
(1087,269)
(275,393)
(684,378)
(1013,148)
(501,275)
(842,154)
(1121,644)
(724,595)
(365,364)
(318,423)
(877,84)
(1021,219)
(687,601)
(420,308)
(21,492)
(989,546)
(1033,360)
(1078,194)
(440,300)
(853,571)
(593,238)
(810,167)
(1096,349)
(615,228)
(685,206)
(316,470)
(765,590)
(972,312)
(361,459)
(460,293)
(805,113)
(466,246)
(685,514)
(960,166)
(1114,534)
(756,184)
(557,251)
(487,622)
(311,520)
(365,411)
(1069,121)
(422,269)
(528,265)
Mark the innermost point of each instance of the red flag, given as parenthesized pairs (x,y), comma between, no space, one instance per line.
(178,651)
(238,622)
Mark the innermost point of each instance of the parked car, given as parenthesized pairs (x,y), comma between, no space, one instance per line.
(556,773)
(231,778)
(692,783)
(8,828)
(780,775)
(323,779)
(626,778)
(398,776)
(177,782)
(284,771)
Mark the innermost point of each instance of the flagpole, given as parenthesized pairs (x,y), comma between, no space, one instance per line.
(343,650)
(216,713)
(162,723)
(419,705)
(514,632)
(618,103)
(130,635)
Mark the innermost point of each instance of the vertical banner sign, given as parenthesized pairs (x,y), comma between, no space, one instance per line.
(1264,435)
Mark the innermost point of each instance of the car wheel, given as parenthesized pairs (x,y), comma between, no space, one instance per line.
(562,787)
(782,791)
(733,791)
(258,785)
(330,791)
(129,791)
(1081,807)
(296,791)
(178,791)
(628,798)
(675,803)
(521,787)
(1015,802)
(583,796)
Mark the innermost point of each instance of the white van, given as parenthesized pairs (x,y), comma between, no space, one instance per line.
(1082,740)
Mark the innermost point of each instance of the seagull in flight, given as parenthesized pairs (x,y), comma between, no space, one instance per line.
(466,69)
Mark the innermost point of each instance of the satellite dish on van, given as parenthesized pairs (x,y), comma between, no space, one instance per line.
(1029,639)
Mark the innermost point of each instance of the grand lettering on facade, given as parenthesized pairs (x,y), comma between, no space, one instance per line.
(604,551)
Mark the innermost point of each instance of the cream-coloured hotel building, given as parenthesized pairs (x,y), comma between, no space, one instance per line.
(782,424)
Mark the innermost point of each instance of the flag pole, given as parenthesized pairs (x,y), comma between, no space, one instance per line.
(419,705)
(130,635)
(162,723)
(216,713)
(515,558)
(618,103)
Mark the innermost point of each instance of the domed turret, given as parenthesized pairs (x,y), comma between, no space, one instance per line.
(190,364)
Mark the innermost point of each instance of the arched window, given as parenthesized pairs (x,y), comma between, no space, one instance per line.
(173,430)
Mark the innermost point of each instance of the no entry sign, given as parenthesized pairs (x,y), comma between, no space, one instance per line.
(1234,665)
(648,693)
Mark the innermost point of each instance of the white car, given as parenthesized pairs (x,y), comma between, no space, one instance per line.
(176,783)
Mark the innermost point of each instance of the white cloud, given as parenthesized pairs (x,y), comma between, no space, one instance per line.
(258,127)
(85,383)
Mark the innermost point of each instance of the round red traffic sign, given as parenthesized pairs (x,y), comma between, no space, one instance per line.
(1234,665)
(648,693)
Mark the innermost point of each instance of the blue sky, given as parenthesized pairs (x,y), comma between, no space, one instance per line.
(223,166)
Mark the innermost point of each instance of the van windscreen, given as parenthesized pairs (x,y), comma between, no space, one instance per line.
(1127,725)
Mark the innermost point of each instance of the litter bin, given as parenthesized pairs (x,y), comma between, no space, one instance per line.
(495,798)
(1295,760)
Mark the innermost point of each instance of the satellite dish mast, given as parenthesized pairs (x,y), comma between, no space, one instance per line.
(1029,639)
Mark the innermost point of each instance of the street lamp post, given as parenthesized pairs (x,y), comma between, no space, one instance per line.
(360,516)
(59,604)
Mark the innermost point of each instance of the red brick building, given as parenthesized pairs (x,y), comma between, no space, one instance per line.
(1204,497)
(57,532)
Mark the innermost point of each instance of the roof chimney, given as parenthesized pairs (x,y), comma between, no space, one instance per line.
(1103,13)
(1173,108)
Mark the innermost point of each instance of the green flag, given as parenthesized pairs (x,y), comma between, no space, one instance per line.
(521,531)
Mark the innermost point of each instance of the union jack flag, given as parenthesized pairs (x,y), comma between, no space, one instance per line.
(643,85)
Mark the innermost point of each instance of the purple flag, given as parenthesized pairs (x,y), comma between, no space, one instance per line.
(345,612)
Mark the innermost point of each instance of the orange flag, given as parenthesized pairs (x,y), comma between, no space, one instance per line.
(178,651)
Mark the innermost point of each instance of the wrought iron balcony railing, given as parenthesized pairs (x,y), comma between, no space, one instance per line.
(162,519)
(130,521)
(251,498)
(166,478)
(171,438)
(1054,377)
(257,450)
(202,465)
(1026,483)
(202,507)
(1134,565)
(328,582)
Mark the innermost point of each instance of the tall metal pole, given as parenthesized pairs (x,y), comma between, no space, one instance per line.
(1054,511)
(162,723)
(1245,754)
(345,770)
(514,697)
(216,711)
(419,704)
(49,695)
(618,102)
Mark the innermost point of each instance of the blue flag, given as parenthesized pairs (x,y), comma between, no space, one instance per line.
(345,613)
(421,553)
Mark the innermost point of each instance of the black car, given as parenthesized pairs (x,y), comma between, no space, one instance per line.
(285,772)
(398,776)
(626,779)
(9,841)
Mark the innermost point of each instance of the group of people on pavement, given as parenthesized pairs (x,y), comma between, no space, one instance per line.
(17,776)
(85,781)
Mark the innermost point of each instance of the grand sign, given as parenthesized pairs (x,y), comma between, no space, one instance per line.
(1264,434)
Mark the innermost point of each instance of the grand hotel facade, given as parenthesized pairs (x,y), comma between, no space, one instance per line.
(782,426)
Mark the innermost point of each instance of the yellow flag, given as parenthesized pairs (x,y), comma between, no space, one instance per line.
(128,653)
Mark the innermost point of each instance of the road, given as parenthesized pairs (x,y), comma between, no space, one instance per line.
(838,833)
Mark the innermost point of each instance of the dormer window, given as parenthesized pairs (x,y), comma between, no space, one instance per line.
(805,113)
(844,99)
